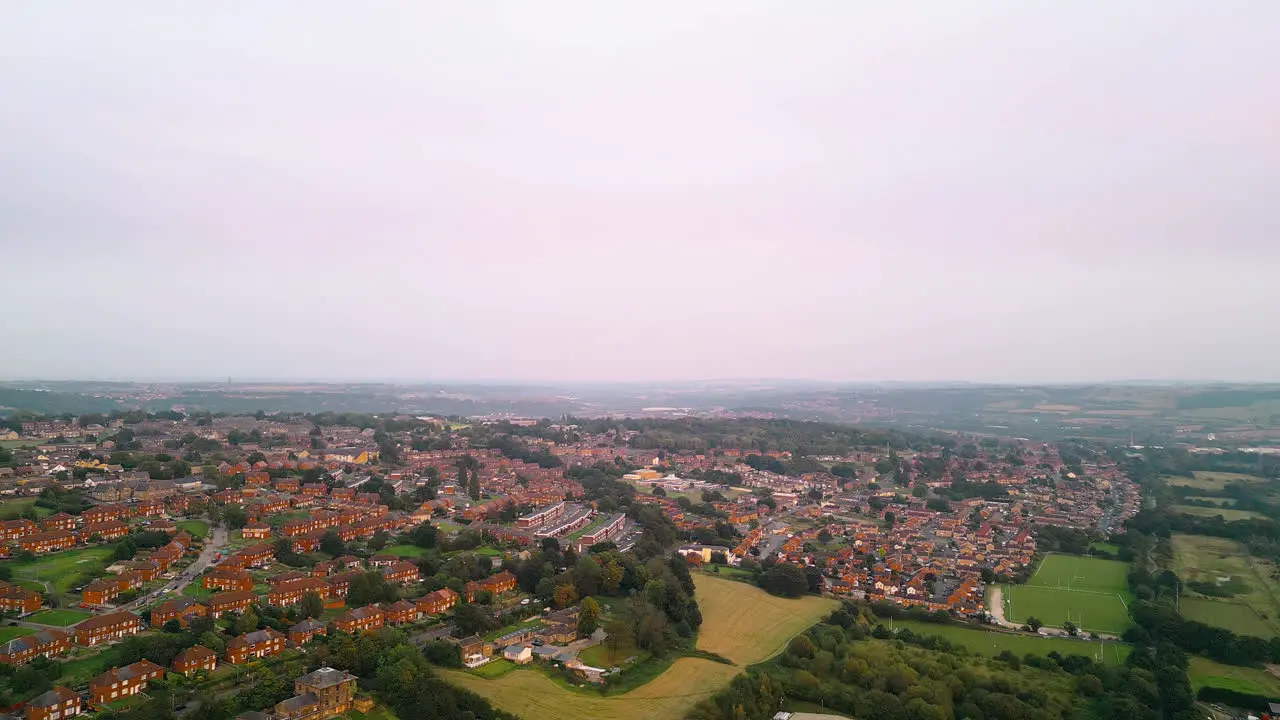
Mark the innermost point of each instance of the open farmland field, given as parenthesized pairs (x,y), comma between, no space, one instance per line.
(747,625)
(66,569)
(1076,572)
(1227,566)
(1204,672)
(991,643)
(1212,481)
(740,622)
(532,694)
(1228,514)
(1089,609)
(1237,617)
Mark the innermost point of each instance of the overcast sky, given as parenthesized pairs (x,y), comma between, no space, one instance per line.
(992,191)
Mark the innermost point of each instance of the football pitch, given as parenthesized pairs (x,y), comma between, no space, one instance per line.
(1092,594)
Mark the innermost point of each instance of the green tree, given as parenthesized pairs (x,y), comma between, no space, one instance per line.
(588,617)
(311,605)
(248,622)
(332,544)
(1034,623)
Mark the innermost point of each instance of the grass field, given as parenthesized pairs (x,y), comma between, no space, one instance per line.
(8,633)
(740,622)
(1223,562)
(1092,593)
(199,529)
(1204,672)
(1228,514)
(12,509)
(1214,481)
(1105,547)
(59,618)
(987,642)
(64,569)
(406,551)
(15,444)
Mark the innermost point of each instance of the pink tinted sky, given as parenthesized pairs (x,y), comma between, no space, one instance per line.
(990,191)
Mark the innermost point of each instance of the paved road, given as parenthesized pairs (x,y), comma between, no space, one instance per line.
(216,542)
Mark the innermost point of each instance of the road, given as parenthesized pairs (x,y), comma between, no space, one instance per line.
(216,542)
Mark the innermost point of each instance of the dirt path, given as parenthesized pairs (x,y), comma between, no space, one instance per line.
(996,606)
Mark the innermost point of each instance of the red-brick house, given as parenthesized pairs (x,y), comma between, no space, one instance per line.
(18,600)
(291,592)
(103,513)
(46,643)
(195,659)
(181,609)
(58,703)
(48,541)
(256,555)
(60,521)
(436,602)
(362,619)
(256,531)
(105,628)
(122,682)
(256,644)
(494,584)
(401,572)
(229,601)
(107,530)
(400,612)
(221,578)
(339,584)
(17,529)
(302,633)
(100,592)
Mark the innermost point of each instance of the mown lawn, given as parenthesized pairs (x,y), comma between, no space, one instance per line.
(8,633)
(199,529)
(404,551)
(59,618)
(68,568)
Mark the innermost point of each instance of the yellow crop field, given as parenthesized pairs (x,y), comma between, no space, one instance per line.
(530,694)
(747,625)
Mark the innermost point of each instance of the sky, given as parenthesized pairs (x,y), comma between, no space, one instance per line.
(592,191)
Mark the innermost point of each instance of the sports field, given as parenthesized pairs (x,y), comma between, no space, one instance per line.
(740,622)
(991,642)
(59,618)
(1090,592)
(1254,605)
